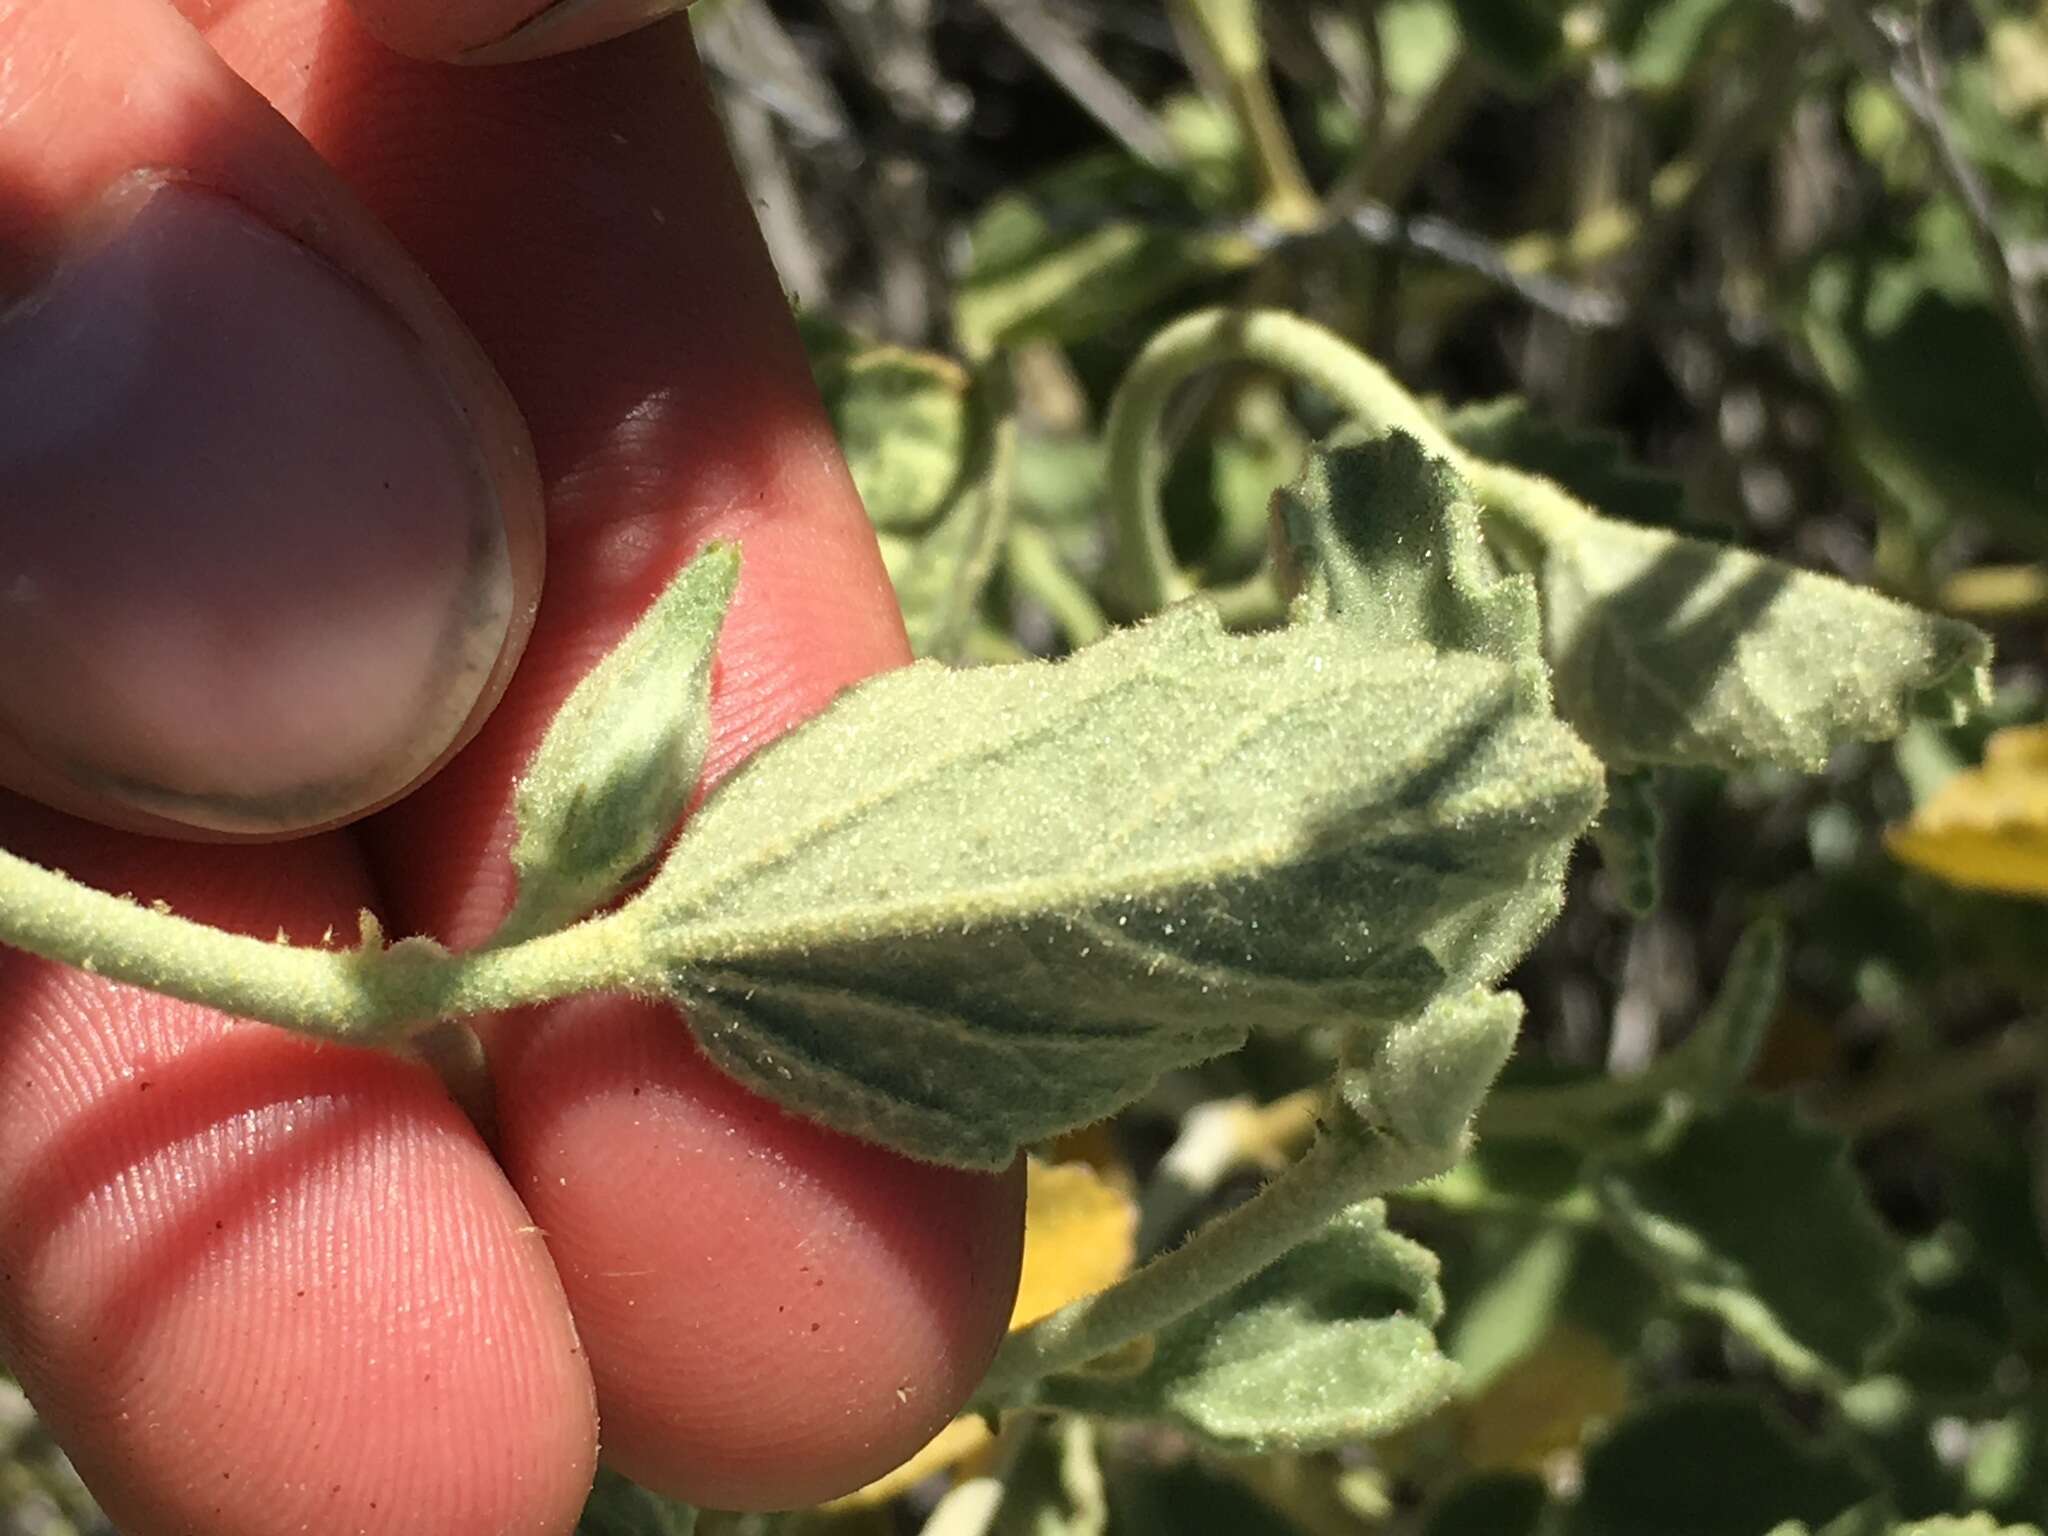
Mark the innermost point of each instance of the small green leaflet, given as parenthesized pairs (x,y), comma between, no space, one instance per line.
(1421,1079)
(962,911)
(1669,650)
(611,777)
(1330,1344)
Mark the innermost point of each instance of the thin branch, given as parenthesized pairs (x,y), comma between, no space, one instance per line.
(1890,52)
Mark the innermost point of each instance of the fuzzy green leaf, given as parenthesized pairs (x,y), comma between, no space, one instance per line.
(966,910)
(1421,1079)
(1669,650)
(1330,1344)
(1756,1216)
(1390,538)
(611,777)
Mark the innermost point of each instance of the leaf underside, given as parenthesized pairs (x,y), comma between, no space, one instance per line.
(966,910)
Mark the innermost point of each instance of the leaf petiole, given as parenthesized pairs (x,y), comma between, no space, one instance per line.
(374,994)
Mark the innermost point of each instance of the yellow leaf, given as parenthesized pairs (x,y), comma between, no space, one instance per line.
(1080,1234)
(1987,827)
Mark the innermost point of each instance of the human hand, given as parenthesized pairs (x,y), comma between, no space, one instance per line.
(270,546)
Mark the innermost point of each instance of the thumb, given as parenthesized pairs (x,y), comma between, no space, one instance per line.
(271,534)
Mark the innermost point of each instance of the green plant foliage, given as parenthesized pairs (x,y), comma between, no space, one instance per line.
(1669,650)
(1189,1499)
(1055,1486)
(1855,1524)
(1331,1343)
(1090,247)
(1072,902)
(1389,537)
(939,571)
(620,1507)
(1757,1217)
(1935,406)
(906,426)
(1627,835)
(1328,453)
(1594,465)
(1710,1463)
(610,779)
(934,461)
(1421,1080)
(1664,41)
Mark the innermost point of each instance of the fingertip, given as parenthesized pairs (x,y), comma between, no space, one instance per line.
(253,1284)
(775,1314)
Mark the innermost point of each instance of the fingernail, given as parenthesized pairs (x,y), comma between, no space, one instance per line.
(252,573)
(570,24)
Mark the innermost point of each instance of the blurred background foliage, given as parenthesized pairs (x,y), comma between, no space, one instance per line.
(1770,273)
(1754,1238)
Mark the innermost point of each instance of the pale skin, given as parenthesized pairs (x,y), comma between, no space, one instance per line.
(258,1285)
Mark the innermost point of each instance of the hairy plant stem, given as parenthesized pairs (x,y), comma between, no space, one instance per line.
(1345,1165)
(375,994)
(1524,511)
